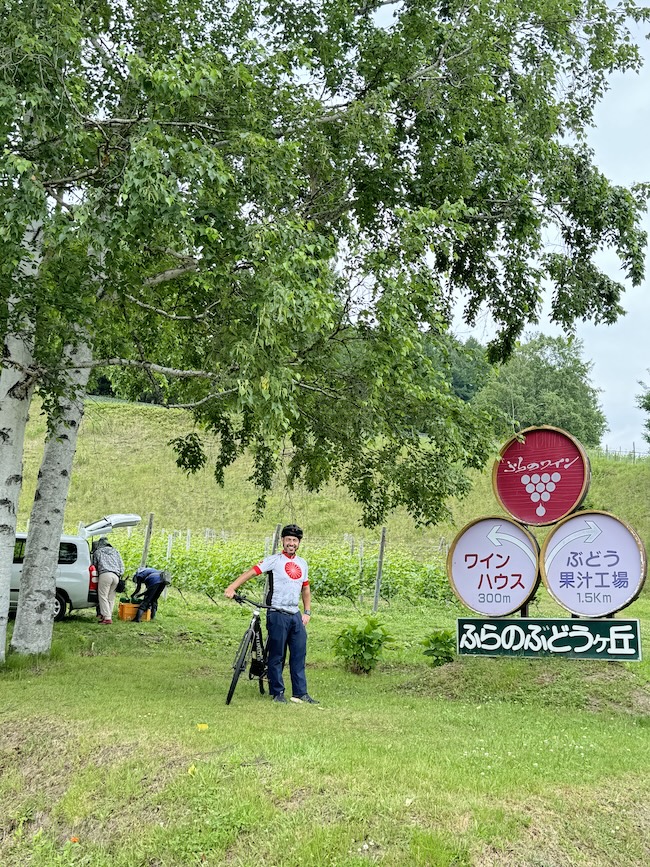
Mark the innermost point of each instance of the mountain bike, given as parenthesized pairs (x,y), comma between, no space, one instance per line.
(252,651)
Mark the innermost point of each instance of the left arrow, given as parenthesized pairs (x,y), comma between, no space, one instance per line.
(498,538)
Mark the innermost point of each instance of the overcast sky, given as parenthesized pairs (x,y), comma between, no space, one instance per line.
(619,352)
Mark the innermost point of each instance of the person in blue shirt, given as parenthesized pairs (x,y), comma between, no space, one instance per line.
(154,581)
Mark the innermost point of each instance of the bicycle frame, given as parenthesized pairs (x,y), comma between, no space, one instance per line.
(252,651)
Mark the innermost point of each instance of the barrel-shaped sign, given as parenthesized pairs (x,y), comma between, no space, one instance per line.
(541,476)
(492,566)
(593,564)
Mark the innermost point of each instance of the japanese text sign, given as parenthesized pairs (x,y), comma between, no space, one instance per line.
(492,566)
(541,476)
(593,564)
(573,639)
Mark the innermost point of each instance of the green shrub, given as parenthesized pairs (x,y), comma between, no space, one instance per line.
(360,646)
(440,646)
(333,572)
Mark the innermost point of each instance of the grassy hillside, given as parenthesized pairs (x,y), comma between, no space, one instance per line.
(124,464)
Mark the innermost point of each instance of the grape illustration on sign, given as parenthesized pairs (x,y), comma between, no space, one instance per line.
(593,564)
(541,476)
(493,566)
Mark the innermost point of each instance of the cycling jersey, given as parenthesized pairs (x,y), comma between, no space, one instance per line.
(287,577)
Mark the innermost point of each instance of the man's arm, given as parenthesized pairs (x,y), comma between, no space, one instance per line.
(231,589)
(306,603)
(139,581)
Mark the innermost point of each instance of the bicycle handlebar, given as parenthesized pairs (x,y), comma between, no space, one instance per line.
(241,600)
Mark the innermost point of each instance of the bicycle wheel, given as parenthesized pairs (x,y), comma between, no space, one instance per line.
(240,662)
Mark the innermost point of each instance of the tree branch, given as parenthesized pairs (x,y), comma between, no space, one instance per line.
(149,365)
(71,179)
(214,396)
(172,273)
(174,316)
(318,390)
(131,121)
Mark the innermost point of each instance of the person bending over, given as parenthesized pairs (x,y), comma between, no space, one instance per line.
(155,582)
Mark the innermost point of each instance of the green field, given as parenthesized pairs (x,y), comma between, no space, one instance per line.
(119,751)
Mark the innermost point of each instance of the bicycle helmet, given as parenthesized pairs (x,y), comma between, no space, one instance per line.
(291,530)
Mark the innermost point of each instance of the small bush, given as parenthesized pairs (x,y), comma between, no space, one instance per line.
(440,646)
(360,646)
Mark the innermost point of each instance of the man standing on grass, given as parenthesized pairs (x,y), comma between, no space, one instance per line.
(288,581)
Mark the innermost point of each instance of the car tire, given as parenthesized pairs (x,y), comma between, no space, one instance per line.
(60,606)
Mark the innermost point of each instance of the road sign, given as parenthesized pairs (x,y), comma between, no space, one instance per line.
(493,566)
(542,475)
(593,564)
(571,639)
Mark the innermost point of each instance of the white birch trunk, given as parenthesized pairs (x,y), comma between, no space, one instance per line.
(35,617)
(16,389)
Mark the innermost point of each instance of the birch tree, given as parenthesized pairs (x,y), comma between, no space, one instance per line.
(16,387)
(35,616)
(17,381)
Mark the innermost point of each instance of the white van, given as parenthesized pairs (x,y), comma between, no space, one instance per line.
(76,577)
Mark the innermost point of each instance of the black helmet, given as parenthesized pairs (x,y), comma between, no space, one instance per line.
(291,530)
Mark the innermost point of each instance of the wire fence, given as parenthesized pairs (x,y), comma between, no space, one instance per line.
(630,455)
(436,546)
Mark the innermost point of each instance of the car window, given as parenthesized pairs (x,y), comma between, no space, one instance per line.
(19,551)
(67,553)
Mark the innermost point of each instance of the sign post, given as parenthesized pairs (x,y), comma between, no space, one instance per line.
(593,564)
(571,639)
(543,474)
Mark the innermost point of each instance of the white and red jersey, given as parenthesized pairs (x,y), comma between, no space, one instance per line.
(288,575)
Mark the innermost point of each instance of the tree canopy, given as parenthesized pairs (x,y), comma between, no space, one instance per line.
(469,367)
(268,209)
(545,382)
(643,402)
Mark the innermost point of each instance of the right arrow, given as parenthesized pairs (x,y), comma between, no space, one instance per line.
(591,532)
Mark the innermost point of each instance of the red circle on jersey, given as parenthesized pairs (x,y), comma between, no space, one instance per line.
(542,475)
(293,570)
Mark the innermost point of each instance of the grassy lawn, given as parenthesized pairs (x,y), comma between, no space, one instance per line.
(119,750)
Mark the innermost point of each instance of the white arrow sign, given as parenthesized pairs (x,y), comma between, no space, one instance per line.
(493,566)
(497,538)
(589,534)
